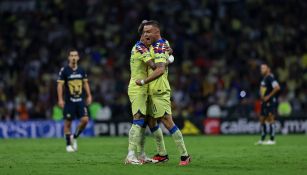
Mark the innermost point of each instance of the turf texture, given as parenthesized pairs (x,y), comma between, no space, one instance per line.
(233,155)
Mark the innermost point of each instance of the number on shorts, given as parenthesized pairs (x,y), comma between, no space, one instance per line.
(154,108)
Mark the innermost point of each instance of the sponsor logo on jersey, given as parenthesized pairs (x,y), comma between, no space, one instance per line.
(75,76)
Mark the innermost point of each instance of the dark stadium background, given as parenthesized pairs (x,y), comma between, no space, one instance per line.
(218,47)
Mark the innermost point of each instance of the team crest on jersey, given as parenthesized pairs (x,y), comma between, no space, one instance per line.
(160,47)
(141,48)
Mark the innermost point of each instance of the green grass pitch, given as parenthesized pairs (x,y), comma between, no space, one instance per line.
(233,155)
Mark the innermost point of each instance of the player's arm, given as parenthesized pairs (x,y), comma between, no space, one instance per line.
(60,86)
(261,91)
(60,93)
(150,63)
(159,71)
(276,88)
(169,50)
(87,89)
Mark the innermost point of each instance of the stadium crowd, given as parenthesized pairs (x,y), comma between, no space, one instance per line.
(218,46)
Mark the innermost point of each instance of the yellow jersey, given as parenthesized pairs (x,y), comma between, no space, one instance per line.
(139,56)
(160,55)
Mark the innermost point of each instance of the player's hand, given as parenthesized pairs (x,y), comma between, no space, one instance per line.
(89,100)
(169,50)
(139,82)
(266,98)
(61,103)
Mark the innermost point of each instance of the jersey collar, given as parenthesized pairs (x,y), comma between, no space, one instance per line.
(140,43)
(159,41)
(72,68)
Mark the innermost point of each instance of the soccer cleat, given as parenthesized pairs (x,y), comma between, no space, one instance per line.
(260,142)
(185,160)
(144,159)
(133,160)
(74,142)
(157,158)
(270,142)
(70,149)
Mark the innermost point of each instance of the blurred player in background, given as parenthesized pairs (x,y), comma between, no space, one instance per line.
(75,81)
(269,89)
(160,91)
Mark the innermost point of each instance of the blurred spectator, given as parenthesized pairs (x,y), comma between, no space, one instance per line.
(214,111)
(284,107)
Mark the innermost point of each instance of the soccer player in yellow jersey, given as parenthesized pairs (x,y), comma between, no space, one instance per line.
(139,62)
(159,88)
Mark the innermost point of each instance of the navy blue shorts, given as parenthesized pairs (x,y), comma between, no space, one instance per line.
(75,110)
(267,108)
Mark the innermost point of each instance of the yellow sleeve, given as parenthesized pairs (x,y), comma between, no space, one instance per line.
(146,57)
(160,58)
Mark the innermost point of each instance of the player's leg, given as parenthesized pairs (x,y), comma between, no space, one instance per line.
(262,120)
(178,138)
(162,109)
(68,112)
(141,147)
(67,127)
(271,121)
(82,112)
(135,138)
(176,134)
(138,105)
(82,125)
(155,129)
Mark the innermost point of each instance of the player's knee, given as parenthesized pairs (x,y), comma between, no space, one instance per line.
(67,123)
(271,118)
(138,116)
(168,121)
(152,123)
(85,120)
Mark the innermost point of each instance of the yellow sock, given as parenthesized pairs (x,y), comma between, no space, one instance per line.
(158,135)
(134,137)
(141,147)
(178,138)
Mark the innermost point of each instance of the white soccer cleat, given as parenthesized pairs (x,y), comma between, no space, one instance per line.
(70,149)
(144,159)
(74,142)
(133,160)
(270,142)
(260,142)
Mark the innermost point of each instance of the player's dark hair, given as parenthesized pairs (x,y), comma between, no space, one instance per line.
(264,63)
(71,50)
(145,22)
(153,23)
(141,27)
